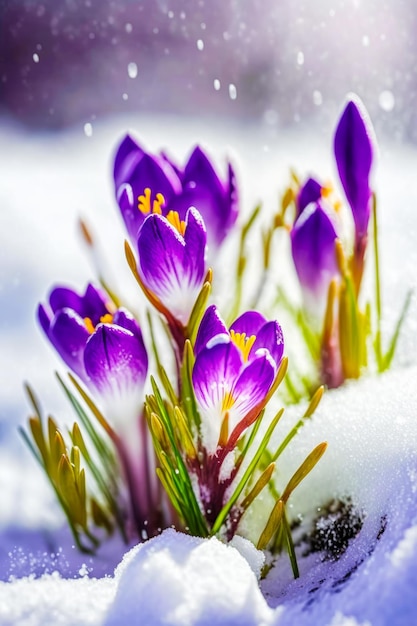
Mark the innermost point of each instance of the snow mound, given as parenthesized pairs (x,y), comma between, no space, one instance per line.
(179,580)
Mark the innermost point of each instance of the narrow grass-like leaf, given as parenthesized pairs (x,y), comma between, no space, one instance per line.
(182,478)
(389,355)
(199,308)
(33,400)
(305,468)
(188,400)
(290,545)
(262,481)
(271,526)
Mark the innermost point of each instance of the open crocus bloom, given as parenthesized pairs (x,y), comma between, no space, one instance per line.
(313,239)
(102,345)
(233,371)
(172,263)
(353,149)
(147,183)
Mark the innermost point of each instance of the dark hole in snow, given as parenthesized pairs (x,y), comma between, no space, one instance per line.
(338,523)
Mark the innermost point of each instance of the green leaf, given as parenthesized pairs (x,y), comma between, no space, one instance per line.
(187,394)
(199,309)
(387,359)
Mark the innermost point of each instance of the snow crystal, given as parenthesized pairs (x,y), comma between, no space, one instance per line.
(386,100)
(88,129)
(132,70)
(232,91)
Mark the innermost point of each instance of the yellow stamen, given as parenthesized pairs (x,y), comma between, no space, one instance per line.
(243,342)
(327,190)
(89,325)
(174,219)
(144,202)
(158,203)
(107,318)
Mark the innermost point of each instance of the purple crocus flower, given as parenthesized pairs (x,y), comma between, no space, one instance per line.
(172,256)
(233,371)
(102,345)
(313,239)
(147,183)
(353,148)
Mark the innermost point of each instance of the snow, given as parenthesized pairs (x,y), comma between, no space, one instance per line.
(370,425)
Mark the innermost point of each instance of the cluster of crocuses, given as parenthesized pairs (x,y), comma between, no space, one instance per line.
(192,448)
(329,245)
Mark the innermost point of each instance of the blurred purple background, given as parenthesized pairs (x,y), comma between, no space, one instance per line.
(274,62)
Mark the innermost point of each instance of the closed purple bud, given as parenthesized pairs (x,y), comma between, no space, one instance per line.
(313,250)
(354,151)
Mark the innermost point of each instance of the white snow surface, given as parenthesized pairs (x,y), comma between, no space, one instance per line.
(370,425)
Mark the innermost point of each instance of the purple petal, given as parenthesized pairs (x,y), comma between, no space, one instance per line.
(353,149)
(203,189)
(116,364)
(215,371)
(147,172)
(161,254)
(126,320)
(166,268)
(233,196)
(157,175)
(63,297)
(179,172)
(127,154)
(210,326)
(309,192)
(199,170)
(115,360)
(252,386)
(270,336)
(132,217)
(69,336)
(195,238)
(249,323)
(92,304)
(313,250)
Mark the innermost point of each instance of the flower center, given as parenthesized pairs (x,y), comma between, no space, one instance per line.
(243,342)
(174,219)
(328,193)
(144,202)
(107,318)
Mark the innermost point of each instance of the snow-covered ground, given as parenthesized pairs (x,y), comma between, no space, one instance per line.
(369,472)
